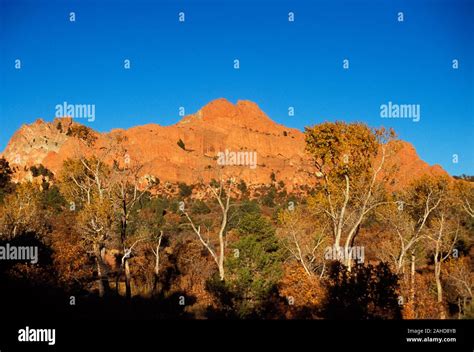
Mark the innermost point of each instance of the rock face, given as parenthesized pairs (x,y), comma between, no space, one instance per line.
(31,144)
(193,148)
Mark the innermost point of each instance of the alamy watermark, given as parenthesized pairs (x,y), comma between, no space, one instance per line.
(76,111)
(240,158)
(342,254)
(400,111)
(37,335)
(27,253)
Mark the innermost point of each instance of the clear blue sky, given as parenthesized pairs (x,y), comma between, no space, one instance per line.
(283,64)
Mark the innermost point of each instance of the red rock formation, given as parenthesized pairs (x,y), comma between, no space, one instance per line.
(218,126)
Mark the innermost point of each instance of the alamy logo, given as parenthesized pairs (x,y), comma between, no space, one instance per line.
(355,253)
(76,111)
(400,111)
(37,335)
(240,158)
(9,252)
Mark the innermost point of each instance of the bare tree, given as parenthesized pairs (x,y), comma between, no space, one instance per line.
(85,183)
(21,212)
(460,279)
(409,218)
(96,223)
(221,192)
(87,175)
(444,236)
(409,215)
(303,239)
(465,196)
(128,187)
(156,253)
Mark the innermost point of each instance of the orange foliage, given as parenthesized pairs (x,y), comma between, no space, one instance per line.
(425,305)
(70,258)
(300,291)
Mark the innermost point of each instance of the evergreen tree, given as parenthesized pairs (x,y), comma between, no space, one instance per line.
(253,268)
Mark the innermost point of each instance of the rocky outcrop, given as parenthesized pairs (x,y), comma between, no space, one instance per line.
(190,150)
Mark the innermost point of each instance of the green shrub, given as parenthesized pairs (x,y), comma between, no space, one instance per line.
(200,207)
(185,190)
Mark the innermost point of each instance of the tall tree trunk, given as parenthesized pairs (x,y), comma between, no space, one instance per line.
(128,287)
(156,270)
(439,289)
(459,308)
(401,258)
(222,245)
(99,276)
(103,279)
(157,263)
(221,259)
(348,248)
(412,283)
(123,233)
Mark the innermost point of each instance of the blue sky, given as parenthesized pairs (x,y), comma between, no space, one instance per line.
(282,63)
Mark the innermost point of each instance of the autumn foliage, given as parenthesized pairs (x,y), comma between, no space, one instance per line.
(107,233)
